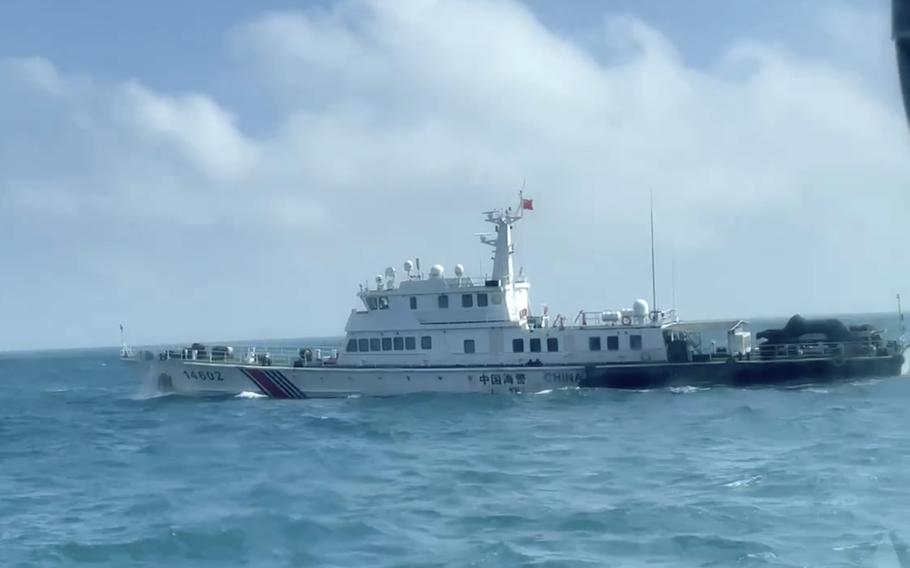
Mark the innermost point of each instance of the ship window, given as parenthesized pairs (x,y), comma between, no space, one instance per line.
(383,302)
(443,301)
(426,342)
(410,343)
(518,345)
(386,343)
(373,303)
(552,344)
(399,343)
(594,343)
(469,346)
(482,300)
(467,300)
(413,302)
(635,342)
(374,344)
(613,343)
(496,299)
(535,345)
(352,346)
(363,345)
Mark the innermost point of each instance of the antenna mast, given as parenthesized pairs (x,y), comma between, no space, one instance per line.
(673,280)
(125,351)
(900,315)
(653,277)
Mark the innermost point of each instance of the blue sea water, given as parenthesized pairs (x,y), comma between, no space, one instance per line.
(92,474)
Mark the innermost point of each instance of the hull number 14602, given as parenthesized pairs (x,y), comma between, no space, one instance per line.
(203,375)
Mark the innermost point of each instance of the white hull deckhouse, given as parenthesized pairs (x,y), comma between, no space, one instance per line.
(457,334)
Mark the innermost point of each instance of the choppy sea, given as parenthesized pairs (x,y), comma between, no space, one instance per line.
(93,474)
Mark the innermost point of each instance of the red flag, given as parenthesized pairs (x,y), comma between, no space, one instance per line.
(527,204)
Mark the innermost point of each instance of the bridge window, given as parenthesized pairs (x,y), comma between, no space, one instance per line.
(413,302)
(363,345)
(426,342)
(635,342)
(552,344)
(613,343)
(386,343)
(374,344)
(594,343)
(398,343)
(410,343)
(535,345)
(482,300)
(518,345)
(373,303)
(352,346)
(467,300)
(383,302)
(443,301)
(469,346)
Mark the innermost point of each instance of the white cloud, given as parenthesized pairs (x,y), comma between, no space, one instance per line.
(780,180)
(203,132)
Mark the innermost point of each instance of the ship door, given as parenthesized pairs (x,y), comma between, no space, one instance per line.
(496,340)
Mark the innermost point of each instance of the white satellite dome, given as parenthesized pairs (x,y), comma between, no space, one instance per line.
(437,271)
(640,308)
(408,266)
(459,270)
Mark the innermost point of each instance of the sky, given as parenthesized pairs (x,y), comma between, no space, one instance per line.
(229,170)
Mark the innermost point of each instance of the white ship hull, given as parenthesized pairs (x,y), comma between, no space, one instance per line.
(203,378)
(438,334)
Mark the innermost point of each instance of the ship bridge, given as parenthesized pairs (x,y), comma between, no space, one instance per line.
(435,299)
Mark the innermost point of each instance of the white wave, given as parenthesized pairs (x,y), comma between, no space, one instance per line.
(818,390)
(865,382)
(545,391)
(744,482)
(145,394)
(842,548)
(688,389)
(248,394)
(801,386)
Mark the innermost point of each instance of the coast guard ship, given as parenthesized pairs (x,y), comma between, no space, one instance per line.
(457,334)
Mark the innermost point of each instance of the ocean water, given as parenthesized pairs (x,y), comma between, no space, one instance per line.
(92,474)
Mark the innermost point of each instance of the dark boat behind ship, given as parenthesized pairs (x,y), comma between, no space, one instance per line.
(803,351)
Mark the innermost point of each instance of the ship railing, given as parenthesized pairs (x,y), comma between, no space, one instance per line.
(823,350)
(259,354)
(463,281)
(586,318)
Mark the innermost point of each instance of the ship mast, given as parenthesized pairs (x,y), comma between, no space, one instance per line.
(501,242)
